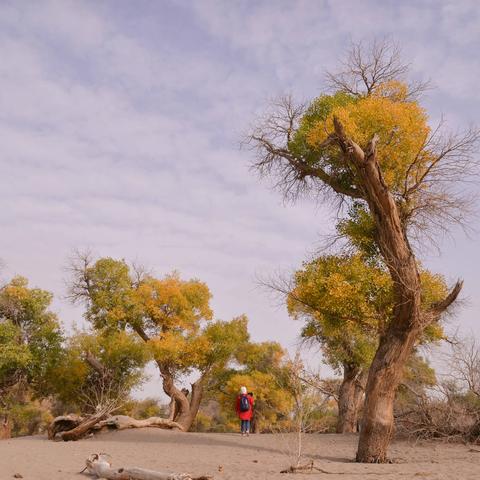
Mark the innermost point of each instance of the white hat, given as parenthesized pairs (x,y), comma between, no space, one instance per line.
(243,390)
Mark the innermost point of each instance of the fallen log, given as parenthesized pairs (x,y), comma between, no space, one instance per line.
(100,465)
(83,428)
(74,427)
(63,423)
(123,422)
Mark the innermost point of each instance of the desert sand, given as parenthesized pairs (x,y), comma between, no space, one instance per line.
(232,457)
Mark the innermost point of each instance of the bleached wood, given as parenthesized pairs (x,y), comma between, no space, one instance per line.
(73,427)
(123,422)
(100,466)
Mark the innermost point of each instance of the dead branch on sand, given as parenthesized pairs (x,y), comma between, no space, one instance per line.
(308,468)
(100,466)
(312,468)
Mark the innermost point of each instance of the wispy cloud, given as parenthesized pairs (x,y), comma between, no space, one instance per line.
(120,124)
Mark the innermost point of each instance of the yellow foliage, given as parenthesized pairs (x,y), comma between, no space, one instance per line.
(346,303)
(174,303)
(273,402)
(184,352)
(400,124)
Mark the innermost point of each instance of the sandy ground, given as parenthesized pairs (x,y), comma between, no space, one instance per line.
(229,456)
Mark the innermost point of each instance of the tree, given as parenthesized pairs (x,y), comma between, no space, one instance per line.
(369,142)
(30,346)
(170,315)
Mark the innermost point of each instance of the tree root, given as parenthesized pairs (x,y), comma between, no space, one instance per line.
(100,466)
(73,427)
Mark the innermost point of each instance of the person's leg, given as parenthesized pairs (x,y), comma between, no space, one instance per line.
(247,427)
(243,427)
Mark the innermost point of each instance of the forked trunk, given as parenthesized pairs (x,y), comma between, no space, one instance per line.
(350,399)
(185,408)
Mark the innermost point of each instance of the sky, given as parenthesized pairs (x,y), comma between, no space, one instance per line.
(121,124)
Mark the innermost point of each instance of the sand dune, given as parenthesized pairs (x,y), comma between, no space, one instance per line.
(229,456)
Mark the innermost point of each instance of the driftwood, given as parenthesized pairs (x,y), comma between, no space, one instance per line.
(63,424)
(122,422)
(83,428)
(73,427)
(100,466)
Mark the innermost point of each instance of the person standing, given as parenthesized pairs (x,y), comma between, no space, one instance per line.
(244,407)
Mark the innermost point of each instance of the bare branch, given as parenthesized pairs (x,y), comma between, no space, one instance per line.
(294,174)
(79,284)
(364,69)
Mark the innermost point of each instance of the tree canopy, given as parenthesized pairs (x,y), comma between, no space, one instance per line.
(30,344)
(171,316)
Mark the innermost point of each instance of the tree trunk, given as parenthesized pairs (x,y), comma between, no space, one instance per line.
(5,428)
(350,399)
(63,423)
(397,342)
(384,377)
(407,322)
(82,428)
(184,409)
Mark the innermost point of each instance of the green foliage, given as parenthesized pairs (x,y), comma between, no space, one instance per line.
(29,418)
(264,357)
(81,387)
(141,409)
(344,303)
(418,372)
(347,301)
(400,123)
(15,357)
(417,378)
(261,367)
(30,343)
(359,229)
(319,111)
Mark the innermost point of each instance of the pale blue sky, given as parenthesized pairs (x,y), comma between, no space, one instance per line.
(120,123)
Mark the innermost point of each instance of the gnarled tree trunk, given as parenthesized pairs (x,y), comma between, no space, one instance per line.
(350,398)
(384,377)
(408,322)
(183,407)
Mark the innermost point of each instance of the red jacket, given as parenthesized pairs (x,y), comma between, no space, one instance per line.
(248,414)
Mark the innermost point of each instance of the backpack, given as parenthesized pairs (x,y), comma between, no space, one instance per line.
(244,403)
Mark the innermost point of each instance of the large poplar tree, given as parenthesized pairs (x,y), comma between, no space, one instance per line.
(368,140)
